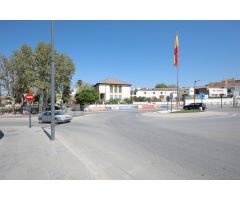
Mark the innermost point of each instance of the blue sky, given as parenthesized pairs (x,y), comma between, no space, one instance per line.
(138,52)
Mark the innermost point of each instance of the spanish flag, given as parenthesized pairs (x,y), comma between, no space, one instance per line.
(175,61)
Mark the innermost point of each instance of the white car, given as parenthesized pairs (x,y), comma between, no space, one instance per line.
(60,117)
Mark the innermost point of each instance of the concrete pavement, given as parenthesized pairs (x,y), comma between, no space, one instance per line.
(28,154)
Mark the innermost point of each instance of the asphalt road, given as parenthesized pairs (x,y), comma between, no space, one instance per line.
(130,145)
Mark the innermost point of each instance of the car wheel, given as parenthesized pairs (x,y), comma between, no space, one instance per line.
(40,121)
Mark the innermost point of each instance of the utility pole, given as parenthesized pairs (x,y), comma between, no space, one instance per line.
(52,85)
(194,89)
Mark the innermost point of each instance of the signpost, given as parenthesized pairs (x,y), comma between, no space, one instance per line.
(171,97)
(168,99)
(201,96)
(221,95)
(29,97)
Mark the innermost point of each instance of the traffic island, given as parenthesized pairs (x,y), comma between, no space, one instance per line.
(189,111)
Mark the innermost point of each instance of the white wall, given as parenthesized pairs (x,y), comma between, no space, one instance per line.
(158,93)
(126,92)
(211,101)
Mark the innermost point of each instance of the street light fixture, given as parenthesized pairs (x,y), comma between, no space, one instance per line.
(194,89)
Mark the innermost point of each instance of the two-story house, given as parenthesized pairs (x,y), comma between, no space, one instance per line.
(113,89)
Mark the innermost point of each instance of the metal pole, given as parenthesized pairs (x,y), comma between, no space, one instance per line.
(221,101)
(0,93)
(52,85)
(30,120)
(194,91)
(177,89)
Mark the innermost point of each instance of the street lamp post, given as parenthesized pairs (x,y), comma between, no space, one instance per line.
(194,89)
(52,85)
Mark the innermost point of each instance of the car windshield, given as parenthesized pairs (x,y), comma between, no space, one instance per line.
(59,113)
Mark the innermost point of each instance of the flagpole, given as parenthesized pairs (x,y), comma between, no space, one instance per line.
(176,65)
(177,89)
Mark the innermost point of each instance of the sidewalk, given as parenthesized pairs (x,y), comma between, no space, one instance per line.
(29,154)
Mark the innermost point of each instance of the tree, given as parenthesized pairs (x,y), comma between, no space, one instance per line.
(87,96)
(81,85)
(23,63)
(161,85)
(29,71)
(9,78)
(42,56)
(65,69)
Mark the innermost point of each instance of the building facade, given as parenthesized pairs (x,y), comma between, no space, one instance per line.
(113,89)
(159,93)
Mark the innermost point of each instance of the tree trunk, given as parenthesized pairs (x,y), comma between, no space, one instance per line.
(41,102)
(13,106)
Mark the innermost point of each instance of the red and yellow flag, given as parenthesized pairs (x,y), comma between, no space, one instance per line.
(175,61)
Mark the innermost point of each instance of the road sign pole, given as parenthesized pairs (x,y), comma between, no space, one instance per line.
(29,113)
(221,101)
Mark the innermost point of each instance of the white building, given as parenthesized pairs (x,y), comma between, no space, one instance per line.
(215,92)
(113,89)
(155,93)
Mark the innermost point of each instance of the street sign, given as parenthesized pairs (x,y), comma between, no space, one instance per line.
(221,95)
(29,97)
(201,95)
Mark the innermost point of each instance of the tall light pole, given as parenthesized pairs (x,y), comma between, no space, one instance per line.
(194,89)
(52,85)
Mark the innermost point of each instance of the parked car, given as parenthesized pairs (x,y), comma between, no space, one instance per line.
(194,106)
(60,117)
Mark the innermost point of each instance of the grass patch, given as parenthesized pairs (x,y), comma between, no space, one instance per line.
(189,111)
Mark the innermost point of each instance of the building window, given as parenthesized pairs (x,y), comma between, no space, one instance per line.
(115,89)
(120,97)
(116,96)
(153,92)
(120,89)
(144,92)
(111,89)
(111,96)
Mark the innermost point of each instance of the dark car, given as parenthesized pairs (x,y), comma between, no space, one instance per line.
(195,106)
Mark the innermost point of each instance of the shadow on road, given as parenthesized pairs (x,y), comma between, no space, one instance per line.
(1,135)
(46,132)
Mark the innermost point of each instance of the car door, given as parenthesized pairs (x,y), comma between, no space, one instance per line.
(44,117)
(48,117)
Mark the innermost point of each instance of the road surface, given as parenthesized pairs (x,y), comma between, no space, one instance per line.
(138,145)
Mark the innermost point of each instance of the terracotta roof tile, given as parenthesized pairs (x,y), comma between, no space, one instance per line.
(113,82)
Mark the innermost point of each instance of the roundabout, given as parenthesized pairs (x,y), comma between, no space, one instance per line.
(189,115)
